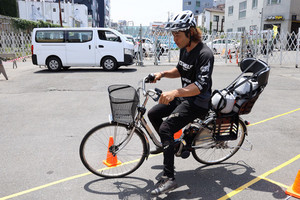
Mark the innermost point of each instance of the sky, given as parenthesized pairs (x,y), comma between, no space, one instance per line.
(143,11)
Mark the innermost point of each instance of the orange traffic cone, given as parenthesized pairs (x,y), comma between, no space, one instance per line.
(178,134)
(111,160)
(237,57)
(229,55)
(294,190)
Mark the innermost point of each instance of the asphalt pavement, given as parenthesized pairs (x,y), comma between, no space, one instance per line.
(45,115)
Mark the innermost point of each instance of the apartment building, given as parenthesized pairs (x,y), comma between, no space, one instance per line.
(256,15)
(197,6)
(98,11)
(72,15)
(212,19)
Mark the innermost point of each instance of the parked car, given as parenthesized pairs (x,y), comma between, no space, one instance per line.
(61,48)
(130,38)
(219,45)
(147,46)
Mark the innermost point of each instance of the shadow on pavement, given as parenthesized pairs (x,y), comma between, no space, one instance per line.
(205,182)
(85,70)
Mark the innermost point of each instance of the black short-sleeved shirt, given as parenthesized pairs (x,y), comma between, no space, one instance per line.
(196,67)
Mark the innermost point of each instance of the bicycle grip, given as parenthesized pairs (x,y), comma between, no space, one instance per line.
(150,78)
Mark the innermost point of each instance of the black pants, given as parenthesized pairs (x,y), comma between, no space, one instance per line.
(179,113)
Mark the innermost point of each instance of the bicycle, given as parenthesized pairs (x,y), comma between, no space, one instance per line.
(120,146)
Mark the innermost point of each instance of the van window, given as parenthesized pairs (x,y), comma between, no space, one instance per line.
(108,35)
(54,36)
(79,36)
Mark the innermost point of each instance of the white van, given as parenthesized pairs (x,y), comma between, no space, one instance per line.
(61,48)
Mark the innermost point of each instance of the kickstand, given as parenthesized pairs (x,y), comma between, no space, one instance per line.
(249,147)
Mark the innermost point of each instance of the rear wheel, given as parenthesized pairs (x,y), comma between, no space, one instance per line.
(54,64)
(99,145)
(209,151)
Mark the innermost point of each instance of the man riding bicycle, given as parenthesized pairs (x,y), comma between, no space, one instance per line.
(183,105)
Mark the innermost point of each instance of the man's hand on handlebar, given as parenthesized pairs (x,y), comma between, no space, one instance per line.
(167,97)
(158,76)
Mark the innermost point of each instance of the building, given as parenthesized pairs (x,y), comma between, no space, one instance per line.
(256,15)
(98,11)
(197,6)
(72,15)
(212,19)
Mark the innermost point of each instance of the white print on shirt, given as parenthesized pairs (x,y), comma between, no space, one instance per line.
(186,80)
(206,67)
(185,66)
(202,79)
(198,85)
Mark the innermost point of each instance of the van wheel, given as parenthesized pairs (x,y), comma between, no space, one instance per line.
(109,64)
(54,64)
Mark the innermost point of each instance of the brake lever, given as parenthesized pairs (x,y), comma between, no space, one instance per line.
(158,93)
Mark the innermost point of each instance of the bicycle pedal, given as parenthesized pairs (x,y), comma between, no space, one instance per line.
(185,154)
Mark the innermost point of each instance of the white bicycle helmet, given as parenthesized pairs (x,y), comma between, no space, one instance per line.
(182,21)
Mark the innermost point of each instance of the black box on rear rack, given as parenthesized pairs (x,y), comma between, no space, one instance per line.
(124,100)
(226,127)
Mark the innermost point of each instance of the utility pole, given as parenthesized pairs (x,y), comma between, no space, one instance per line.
(60,20)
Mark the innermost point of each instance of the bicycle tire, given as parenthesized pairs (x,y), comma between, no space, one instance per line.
(214,152)
(94,150)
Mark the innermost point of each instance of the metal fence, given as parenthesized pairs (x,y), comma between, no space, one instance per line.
(281,48)
(16,43)
(157,46)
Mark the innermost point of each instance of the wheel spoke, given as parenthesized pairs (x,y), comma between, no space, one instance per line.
(209,152)
(95,154)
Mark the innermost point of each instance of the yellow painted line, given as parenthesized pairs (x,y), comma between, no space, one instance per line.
(64,180)
(85,174)
(44,186)
(275,117)
(276,183)
(263,176)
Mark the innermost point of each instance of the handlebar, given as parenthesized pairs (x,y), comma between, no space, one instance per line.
(149,79)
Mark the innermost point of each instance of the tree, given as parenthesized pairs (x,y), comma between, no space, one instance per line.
(8,8)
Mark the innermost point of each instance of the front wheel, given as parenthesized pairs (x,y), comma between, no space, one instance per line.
(109,64)
(99,145)
(207,150)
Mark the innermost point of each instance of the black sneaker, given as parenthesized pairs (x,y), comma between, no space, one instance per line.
(157,150)
(164,185)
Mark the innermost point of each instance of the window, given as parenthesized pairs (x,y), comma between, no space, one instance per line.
(79,36)
(242,9)
(230,30)
(230,10)
(274,2)
(216,18)
(108,35)
(54,9)
(50,36)
(197,3)
(254,4)
(241,29)
(188,3)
